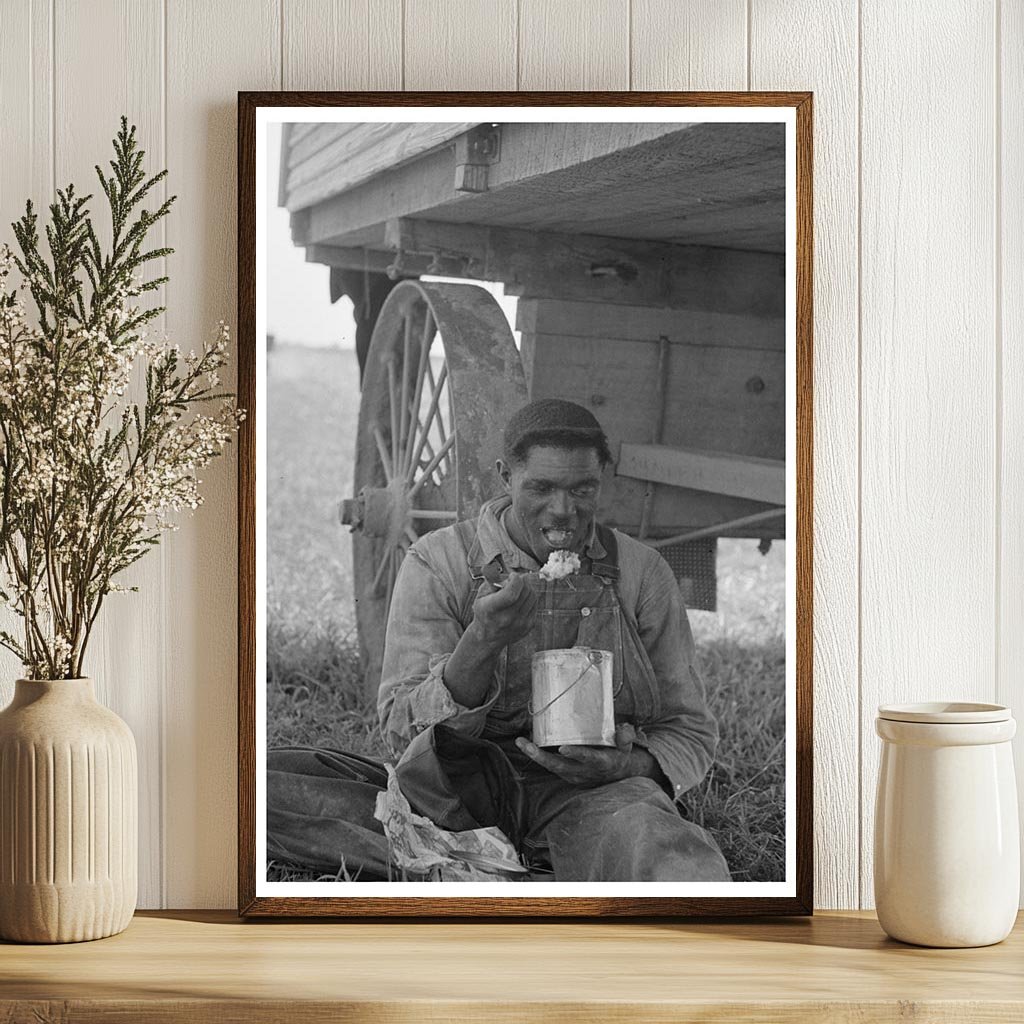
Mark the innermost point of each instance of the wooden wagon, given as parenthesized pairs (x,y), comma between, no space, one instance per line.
(649,265)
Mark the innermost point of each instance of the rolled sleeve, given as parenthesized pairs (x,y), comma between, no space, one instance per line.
(423,630)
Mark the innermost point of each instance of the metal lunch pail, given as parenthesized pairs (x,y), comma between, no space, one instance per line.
(573,701)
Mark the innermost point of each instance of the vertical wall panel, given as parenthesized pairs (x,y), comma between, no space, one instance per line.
(466,45)
(26,70)
(342,44)
(213,51)
(1010,676)
(800,45)
(574,44)
(26,106)
(699,44)
(928,516)
(931,243)
(90,95)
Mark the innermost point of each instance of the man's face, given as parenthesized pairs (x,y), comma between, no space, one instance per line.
(554,498)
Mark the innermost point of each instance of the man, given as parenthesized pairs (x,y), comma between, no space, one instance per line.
(470,609)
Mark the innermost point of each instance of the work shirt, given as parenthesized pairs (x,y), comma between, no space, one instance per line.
(431,608)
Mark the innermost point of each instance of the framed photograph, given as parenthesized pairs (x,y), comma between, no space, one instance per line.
(525,502)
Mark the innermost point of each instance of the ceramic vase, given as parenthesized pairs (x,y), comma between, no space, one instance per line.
(947,847)
(68,815)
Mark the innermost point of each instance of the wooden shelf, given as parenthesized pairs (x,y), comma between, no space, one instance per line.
(208,966)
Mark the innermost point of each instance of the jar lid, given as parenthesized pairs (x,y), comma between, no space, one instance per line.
(945,712)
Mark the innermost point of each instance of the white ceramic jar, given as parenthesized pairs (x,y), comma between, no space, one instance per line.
(947,847)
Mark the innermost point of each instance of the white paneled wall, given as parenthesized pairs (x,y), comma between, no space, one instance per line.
(831,72)
(919,324)
(1009,327)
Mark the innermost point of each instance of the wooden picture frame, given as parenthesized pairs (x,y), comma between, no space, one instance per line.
(467,158)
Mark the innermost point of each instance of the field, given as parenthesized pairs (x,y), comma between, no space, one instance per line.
(314,692)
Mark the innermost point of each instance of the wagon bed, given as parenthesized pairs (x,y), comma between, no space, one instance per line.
(649,264)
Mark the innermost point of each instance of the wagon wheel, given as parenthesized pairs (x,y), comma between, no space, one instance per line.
(442,378)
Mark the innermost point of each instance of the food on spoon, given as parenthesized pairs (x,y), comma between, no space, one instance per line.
(560,563)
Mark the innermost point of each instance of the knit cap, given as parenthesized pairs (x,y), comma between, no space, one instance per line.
(552,420)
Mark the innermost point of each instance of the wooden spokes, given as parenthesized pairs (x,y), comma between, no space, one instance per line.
(419,401)
(442,376)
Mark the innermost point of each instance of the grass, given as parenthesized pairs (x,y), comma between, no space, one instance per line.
(314,684)
(743,661)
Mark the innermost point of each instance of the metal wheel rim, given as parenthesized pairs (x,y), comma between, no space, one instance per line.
(436,462)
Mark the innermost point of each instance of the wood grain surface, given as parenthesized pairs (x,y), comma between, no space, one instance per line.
(573,44)
(928,512)
(341,44)
(26,119)
(700,44)
(1010,366)
(468,45)
(207,966)
(130,677)
(832,73)
(227,46)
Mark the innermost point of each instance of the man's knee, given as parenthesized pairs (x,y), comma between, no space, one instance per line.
(632,831)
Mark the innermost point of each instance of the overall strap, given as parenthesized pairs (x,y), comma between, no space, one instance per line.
(492,571)
(609,565)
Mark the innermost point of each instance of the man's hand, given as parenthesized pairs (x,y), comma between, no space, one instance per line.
(593,766)
(500,617)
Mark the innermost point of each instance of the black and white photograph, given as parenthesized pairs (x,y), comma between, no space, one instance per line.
(524,500)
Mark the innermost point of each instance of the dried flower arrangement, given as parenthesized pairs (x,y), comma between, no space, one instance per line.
(88,477)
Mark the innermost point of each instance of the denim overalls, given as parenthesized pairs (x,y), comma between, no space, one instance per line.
(630,829)
(581,610)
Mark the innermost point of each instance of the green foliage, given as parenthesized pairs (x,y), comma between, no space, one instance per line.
(89,477)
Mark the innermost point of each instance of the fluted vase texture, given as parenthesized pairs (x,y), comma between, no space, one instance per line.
(68,815)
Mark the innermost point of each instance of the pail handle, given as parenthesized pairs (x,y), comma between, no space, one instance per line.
(594,657)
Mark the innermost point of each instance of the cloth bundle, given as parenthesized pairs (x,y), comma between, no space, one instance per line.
(343,813)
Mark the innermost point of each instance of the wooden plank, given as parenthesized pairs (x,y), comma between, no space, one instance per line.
(643,323)
(532,150)
(679,510)
(228,46)
(718,184)
(529,151)
(795,44)
(209,967)
(26,108)
(928,515)
(718,399)
(341,44)
(535,263)
(1010,115)
(700,44)
(125,656)
(574,44)
(714,472)
(375,260)
(710,407)
(26,69)
(316,139)
(358,155)
(468,45)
